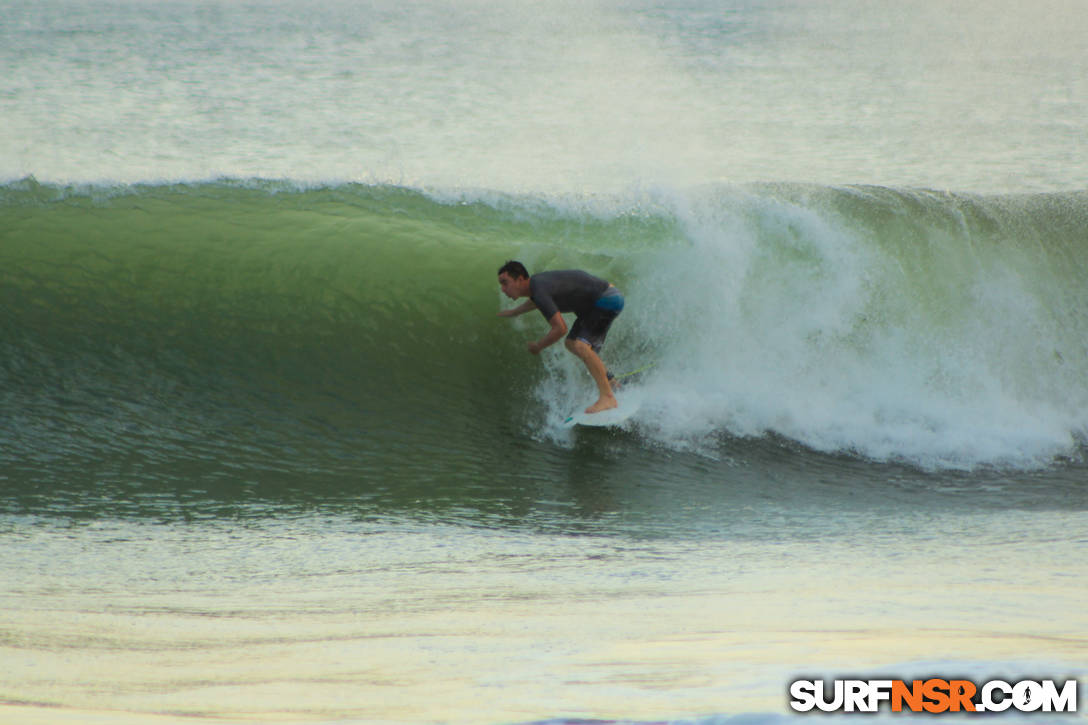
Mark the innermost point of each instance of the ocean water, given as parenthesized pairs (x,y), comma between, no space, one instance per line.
(267,454)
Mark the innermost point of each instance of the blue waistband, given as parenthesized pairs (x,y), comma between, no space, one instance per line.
(610,300)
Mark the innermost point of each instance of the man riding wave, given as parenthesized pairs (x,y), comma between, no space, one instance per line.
(595,302)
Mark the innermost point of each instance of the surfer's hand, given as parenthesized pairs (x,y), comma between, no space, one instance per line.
(535,347)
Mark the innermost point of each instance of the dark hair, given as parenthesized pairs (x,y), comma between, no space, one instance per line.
(514,269)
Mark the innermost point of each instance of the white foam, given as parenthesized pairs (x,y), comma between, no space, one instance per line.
(779,317)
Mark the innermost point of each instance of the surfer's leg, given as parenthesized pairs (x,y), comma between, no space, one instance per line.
(595,365)
(585,339)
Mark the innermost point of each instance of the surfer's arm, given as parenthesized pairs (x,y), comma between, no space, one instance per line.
(526,306)
(558,329)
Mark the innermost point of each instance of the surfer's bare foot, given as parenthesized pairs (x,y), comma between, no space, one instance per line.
(603,403)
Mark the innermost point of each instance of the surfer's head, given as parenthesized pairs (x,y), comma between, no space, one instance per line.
(514,280)
(516,270)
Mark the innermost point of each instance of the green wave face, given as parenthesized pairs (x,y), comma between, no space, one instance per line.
(345,333)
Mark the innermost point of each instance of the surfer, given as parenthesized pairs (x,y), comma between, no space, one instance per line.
(595,302)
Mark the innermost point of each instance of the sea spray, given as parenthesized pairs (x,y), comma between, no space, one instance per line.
(892,324)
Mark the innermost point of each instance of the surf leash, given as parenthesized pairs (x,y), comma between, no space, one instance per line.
(642,369)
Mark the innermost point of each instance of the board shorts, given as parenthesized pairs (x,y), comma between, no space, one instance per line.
(592,327)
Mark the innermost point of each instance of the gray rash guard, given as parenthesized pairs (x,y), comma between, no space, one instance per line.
(568,290)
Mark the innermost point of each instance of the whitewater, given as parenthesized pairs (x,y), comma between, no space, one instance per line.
(267,453)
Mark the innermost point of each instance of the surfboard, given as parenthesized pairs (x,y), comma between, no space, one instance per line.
(629,404)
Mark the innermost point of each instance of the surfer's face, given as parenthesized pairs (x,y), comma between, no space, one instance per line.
(512,288)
